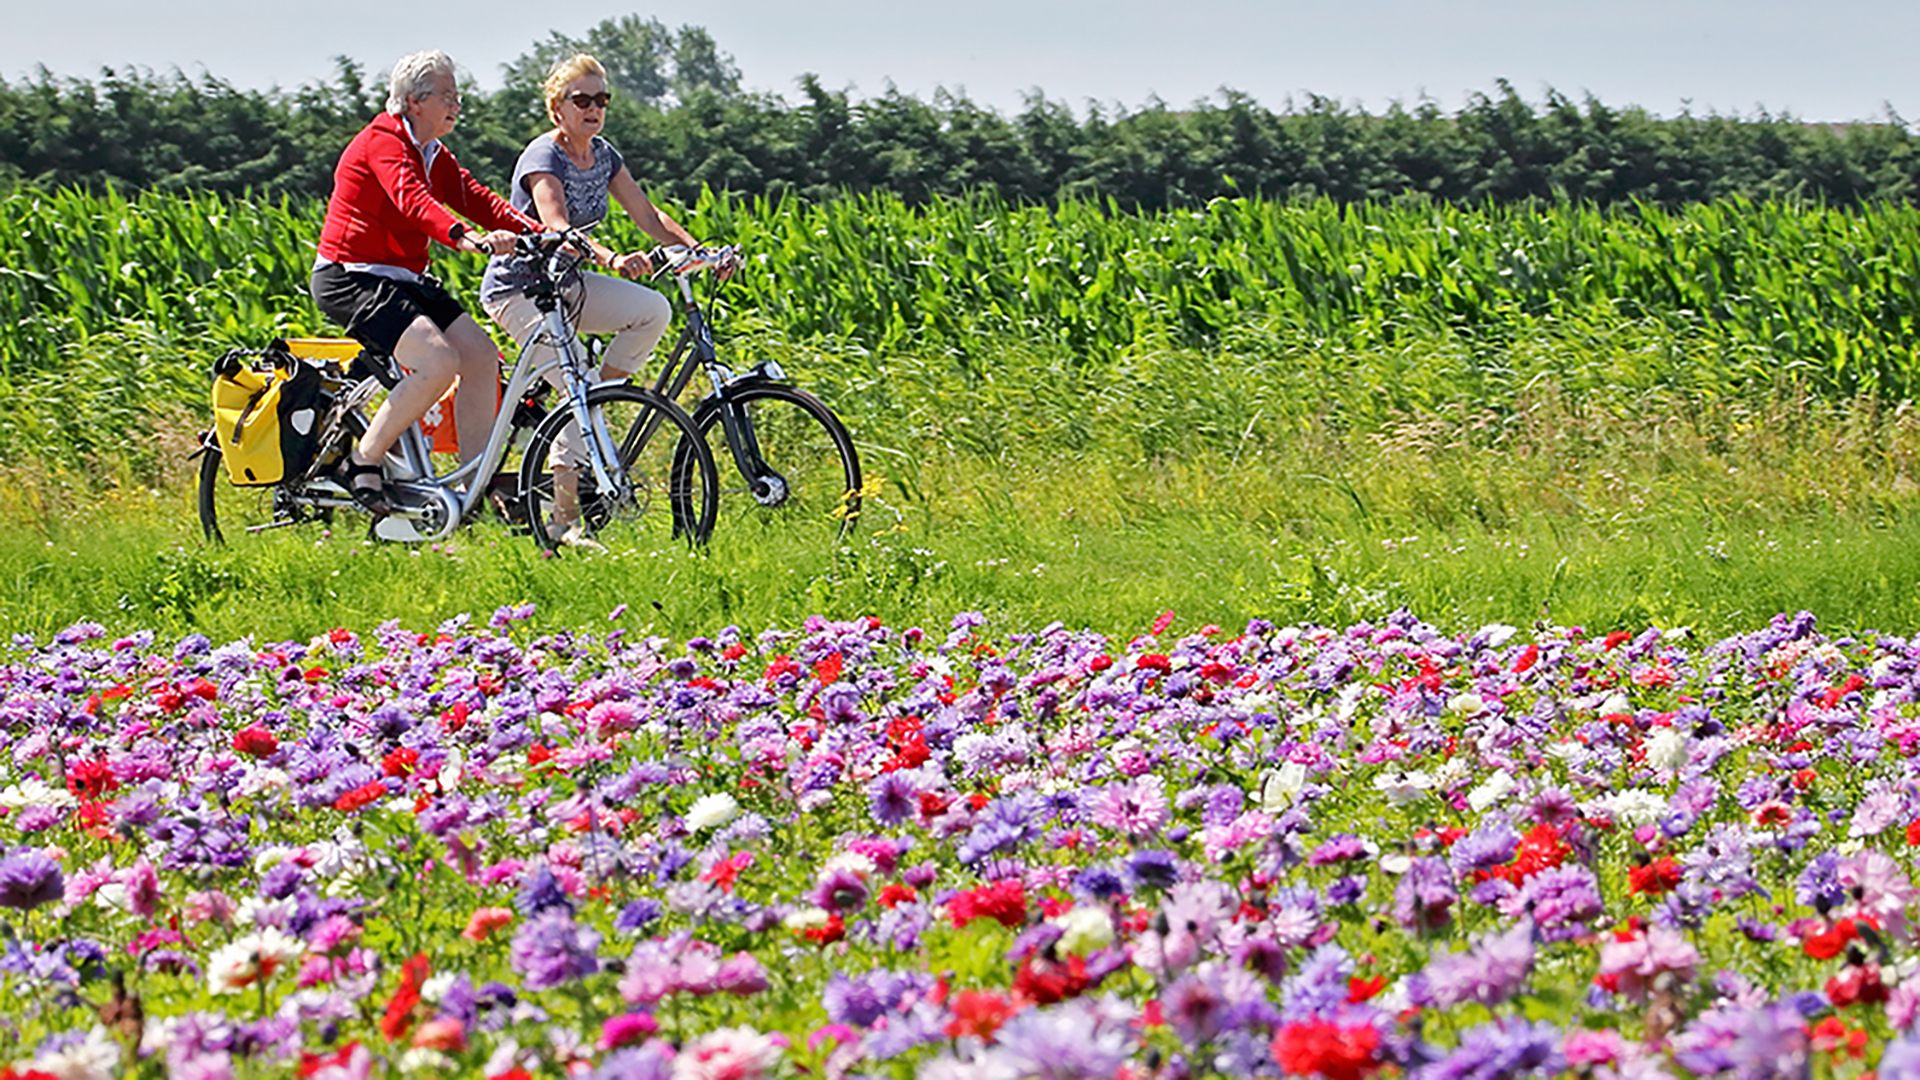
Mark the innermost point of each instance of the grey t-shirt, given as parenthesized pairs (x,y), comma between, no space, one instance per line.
(586,193)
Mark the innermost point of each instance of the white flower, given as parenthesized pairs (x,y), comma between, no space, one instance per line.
(261,779)
(250,959)
(847,860)
(436,986)
(1635,807)
(1282,786)
(1397,862)
(1497,634)
(97,1057)
(1490,791)
(34,791)
(1615,702)
(1084,928)
(1401,788)
(421,1058)
(1467,703)
(805,919)
(712,810)
(1667,748)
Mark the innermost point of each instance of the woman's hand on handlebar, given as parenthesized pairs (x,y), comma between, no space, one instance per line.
(497,242)
(632,266)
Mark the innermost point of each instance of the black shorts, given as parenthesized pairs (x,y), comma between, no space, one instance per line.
(376,310)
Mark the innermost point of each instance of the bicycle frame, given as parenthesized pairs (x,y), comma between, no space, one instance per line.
(695,351)
(410,461)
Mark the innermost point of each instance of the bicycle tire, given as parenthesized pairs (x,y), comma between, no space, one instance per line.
(672,501)
(812,469)
(244,509)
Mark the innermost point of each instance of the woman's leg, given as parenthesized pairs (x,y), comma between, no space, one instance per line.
(635,315)
(432,362)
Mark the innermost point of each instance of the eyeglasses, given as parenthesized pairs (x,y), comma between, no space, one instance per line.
(590,101)
(451,97)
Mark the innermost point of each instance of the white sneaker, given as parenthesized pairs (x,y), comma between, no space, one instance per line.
(576,536)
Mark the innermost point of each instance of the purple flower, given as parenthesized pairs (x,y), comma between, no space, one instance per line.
(1500,1051)
(861,1001)
(1079,1038)
(638,915)
(541,891)
(551,950)
(1099,882)
(840,890)
(1337,849)
(30,879)
(1492,844)
(1425,896)
(892,798)
(1561,899)
(1153,869)
(1493,970)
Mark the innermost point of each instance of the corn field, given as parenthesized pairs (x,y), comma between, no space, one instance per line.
(1825,299)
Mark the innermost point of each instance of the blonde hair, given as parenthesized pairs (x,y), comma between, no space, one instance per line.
(413,76)
(565,72)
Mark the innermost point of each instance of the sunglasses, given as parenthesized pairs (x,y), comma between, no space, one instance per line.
(590,101)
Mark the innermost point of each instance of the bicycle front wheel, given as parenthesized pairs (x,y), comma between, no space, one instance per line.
(655,503)
(794,468)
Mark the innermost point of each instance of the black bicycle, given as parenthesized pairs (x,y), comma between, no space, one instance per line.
(794,465)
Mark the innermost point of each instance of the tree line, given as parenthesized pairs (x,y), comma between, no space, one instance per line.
(685,123)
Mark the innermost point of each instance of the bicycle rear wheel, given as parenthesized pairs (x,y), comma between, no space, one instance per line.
(797,469)
(229,510)
(565,504)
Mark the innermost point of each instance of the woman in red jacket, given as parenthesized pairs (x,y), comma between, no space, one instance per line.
(391,194)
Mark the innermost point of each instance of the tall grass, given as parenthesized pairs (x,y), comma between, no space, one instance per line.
(1825,298)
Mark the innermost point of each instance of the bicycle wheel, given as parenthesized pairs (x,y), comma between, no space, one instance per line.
(800,469)
(226,509)
(565,504)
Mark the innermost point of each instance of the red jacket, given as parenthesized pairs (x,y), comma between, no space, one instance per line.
(385,208)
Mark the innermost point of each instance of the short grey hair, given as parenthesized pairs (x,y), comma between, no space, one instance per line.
(413,76)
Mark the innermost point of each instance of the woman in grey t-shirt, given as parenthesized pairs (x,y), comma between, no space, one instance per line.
(565,178)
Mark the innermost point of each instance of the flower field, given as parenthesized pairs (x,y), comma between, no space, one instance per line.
(853,849)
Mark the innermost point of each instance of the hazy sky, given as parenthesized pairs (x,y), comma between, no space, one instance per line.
(1837,60)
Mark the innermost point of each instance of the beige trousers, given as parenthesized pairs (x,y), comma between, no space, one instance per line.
(635,315)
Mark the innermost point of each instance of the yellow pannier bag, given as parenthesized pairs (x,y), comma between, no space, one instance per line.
(266,415)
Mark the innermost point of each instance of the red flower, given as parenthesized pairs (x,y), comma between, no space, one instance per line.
(1857,985)
(88,780)
(1321,1048)
(1829,943)
(399,1014)
(1541,849)
(1154,662)
(828,932)
(1044,981)
(313,1063)
(1359,989)
(1616,639)
(1005,901)
(827,668)
(978,1012)
(1165,620)
(1832,1036)
(1527,657)
(897,893)
(369,792)
(1656,877)
(400,763)
(255,742)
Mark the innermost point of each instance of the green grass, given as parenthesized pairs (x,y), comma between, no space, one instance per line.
(1638,513)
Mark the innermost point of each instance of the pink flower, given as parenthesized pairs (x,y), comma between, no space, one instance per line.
(442,1033)
(210,906)
(1629,966)
(626,1029)
(741,976)
(727,1054)
(1137,807)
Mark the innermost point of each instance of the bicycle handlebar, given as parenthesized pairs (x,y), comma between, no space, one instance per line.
(683,260)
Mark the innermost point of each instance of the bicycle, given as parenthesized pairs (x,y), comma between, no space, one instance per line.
(626,496)
(794,459)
